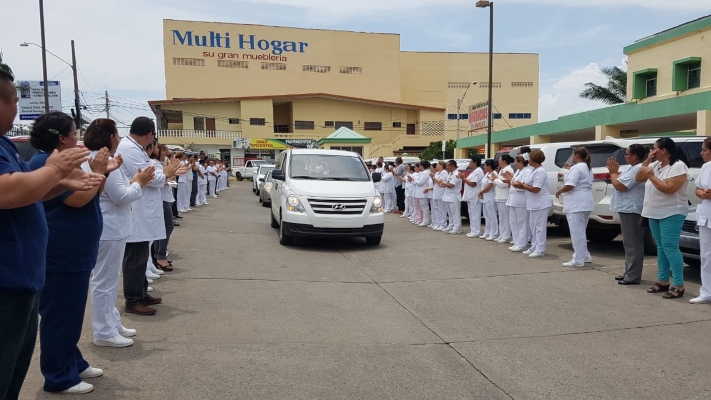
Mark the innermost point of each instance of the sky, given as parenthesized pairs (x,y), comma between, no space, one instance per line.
(119,42)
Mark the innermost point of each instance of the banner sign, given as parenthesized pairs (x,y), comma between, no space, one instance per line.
(31,98)
(479,116)
(273,144)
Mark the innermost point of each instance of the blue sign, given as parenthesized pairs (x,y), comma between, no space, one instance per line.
(244,42)
(29,117)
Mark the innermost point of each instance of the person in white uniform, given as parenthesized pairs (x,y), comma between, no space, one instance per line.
(703,213)
(430,194)
(440,211)
(453,199)
(538,201)
(183,199)
(212,178)
(115,202)
(486,196)
(422,183)
(518,217)
(385,188)
(578,203)
(409,192)
(501,196)
(202,184)
(471,196)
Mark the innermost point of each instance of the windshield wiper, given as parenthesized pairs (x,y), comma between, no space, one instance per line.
(303,177)
(337,179)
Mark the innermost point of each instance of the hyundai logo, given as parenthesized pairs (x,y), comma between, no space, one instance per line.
(339,206)
(696,228)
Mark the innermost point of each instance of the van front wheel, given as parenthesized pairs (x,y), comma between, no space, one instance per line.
(373,240)
(284,239)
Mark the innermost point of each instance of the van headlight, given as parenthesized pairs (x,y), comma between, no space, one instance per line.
(268,187)
(294,204)
(377,206)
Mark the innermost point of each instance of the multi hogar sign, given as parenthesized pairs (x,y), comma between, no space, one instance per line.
(243,42)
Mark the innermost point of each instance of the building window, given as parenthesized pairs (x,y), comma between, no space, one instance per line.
(410,129)
(191,62)
(274,66)
(644,84)
(496,116)
(281,128)
(518,116)
(494,85)
(304,125)
(351,70)
(321,69)
(686,74)
(454,116)
(458,85)
(397,124)
(346,124)
(521,84)
(258,121)
(232,64)
(199,123)
(355,149)
(373,126)
(234,121)
(328,124)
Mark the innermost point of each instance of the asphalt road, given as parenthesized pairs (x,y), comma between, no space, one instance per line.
(422,316)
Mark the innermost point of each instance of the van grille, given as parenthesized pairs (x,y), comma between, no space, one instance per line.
(690,226)
(338,206)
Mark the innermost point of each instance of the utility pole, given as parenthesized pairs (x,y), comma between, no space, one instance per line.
(44,57)
(491,75)
(106,94)
(77,105)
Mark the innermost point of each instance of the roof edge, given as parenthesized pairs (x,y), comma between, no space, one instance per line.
(685,29)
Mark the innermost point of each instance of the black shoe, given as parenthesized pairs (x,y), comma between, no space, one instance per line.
(176,223)
(620,278)
(624,282)
(177,216)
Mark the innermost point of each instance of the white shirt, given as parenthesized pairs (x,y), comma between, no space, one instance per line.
(703,211)
(488,197)
(210,170)
(580,199)
(472,193)
(430,185)
(409,186)
(517,197)
(202,180)
(658,205)
(166,191)
(183,178)
(453,194)
(438,191)
(422,180)
(541,200)
(630,201)
(385,186)
(502,188)
(147,214)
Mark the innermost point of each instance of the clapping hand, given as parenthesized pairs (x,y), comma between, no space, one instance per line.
(80,181)
(613,166)
(114,164)
(67,161)
(171,168)
(182,170)
(517,184)
(646,172)
(144,177)
(100,163)
(492,176)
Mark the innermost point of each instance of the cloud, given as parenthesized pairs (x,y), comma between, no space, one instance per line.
(561,96)
(556,37)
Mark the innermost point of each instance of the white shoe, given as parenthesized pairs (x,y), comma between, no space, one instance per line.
(588,260)
(482,237)
(572,263)
(150,289)
(512,242)
(150,281)
(528,252)
(422,225)
(515,249)
(151,275)
(206,204)
(536,254)
(439,229)
(700,300)
(447,230)
(472,235)
(490,238)
(157,271)
(80,388)
(403,216)
(126,332)
(91,373)
(430,226)
(455,232)
(116,341)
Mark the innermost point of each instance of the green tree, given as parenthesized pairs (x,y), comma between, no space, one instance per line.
(434,151)
(614,93)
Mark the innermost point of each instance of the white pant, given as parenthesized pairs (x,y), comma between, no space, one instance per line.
(408,205)
(440,213)
(705,241)
(578,222)
(183,196)
(492,224)
(212,184)
(201,197)
(539,229)
(519,226)
(454,208)
(424,204)
(504,226)
(474,208)
(105,318)
(393,199)
(433,210)
(529,228)
(387,202)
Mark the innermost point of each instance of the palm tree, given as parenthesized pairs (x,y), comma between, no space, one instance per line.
(614,93)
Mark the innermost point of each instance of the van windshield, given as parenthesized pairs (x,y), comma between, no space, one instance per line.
(600,153)
(328,168)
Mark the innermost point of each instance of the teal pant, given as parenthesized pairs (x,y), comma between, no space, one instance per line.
(666,233)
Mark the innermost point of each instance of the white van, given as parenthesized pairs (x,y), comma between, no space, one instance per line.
(325,194)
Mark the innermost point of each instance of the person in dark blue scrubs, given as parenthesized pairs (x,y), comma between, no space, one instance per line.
(75,224)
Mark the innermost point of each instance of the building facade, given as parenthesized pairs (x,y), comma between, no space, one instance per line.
(668,92)
(251,91)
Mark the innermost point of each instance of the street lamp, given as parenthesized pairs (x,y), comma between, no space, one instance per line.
(459,105)
(73,65)
(490,4)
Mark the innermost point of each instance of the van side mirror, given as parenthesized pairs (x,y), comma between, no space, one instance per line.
(261,179)
(377,176)
(278,174)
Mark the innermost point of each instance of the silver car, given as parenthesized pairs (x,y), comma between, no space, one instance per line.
(265,190)
(689,240)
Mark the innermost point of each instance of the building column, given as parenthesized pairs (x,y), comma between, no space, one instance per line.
(542,139)
(603,131)
(703,123)
(461,153)
(495,147)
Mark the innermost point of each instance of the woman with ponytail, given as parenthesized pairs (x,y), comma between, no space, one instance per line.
(578,203)
(666,204)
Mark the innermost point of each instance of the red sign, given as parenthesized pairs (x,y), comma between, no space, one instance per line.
(478,116)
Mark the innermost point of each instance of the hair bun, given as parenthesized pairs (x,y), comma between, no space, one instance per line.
(525,156)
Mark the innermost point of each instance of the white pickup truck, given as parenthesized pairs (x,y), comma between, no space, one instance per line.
(247,170)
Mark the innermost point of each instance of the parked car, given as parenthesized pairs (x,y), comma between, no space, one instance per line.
(265,190)
(262,171)
(604,224)
(247,170)
(689,240)
(25,149)
(340,201)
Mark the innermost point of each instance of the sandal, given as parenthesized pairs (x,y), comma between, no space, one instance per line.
(674,293)
(658,287)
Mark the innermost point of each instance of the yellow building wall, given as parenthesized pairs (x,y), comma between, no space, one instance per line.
(662,57)
(221,112)
(376,54)
(262,108)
